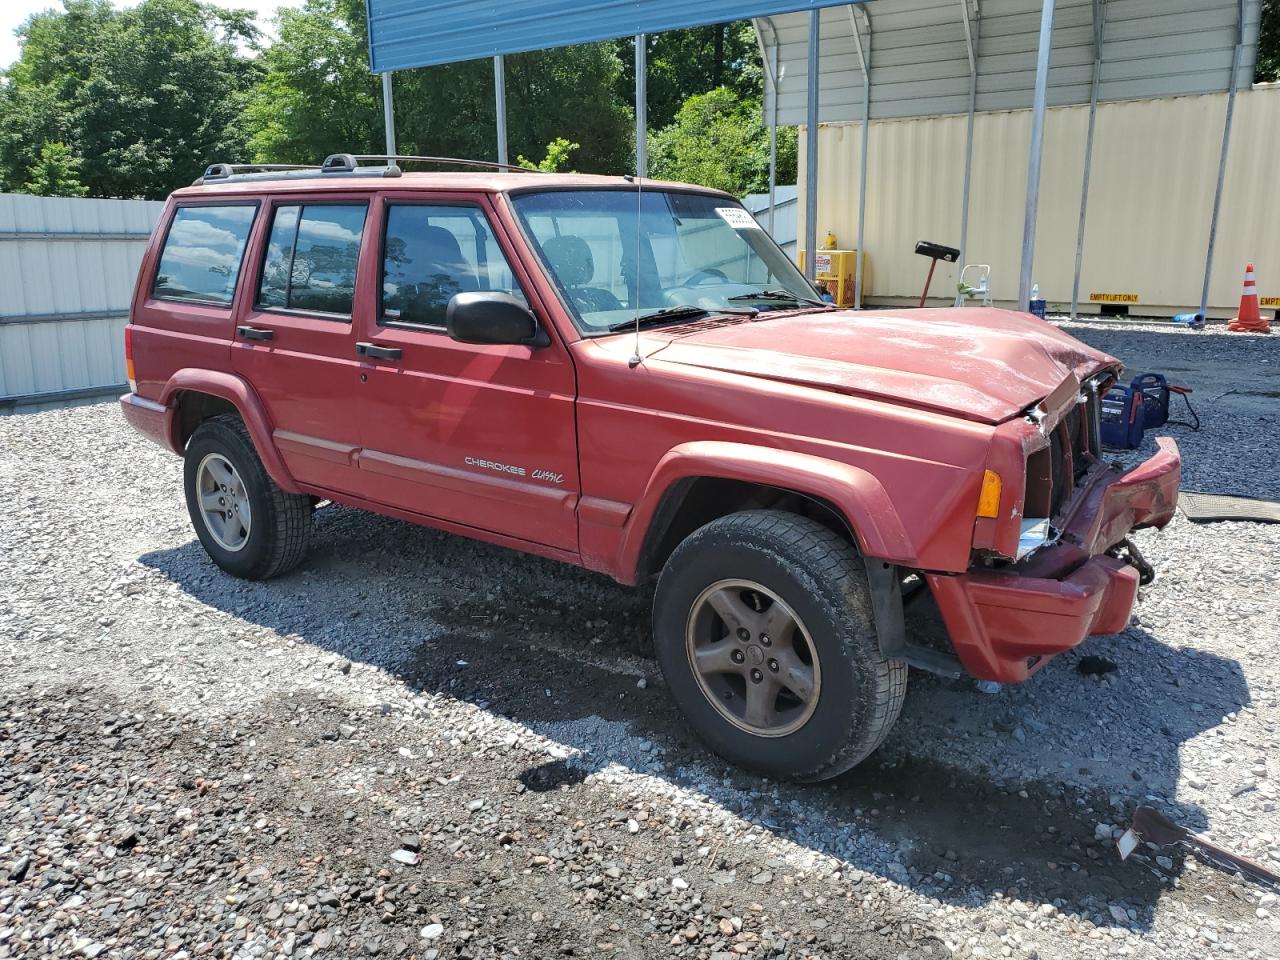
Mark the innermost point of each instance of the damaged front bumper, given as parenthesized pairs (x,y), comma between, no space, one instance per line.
(1006,624)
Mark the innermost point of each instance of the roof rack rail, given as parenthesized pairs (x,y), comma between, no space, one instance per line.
(339,164)
(453,161)
(223,171)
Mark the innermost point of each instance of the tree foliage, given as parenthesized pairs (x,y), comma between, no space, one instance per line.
(719,140)
(318,97)
(141,98)
(1268,68)
(685,63)
(704,89)
(136,102)
(56,173)
(558,151)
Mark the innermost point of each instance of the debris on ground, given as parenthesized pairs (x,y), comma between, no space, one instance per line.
(1153,827)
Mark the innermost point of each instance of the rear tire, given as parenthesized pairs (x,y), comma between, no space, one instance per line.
(248,525)
(806,704)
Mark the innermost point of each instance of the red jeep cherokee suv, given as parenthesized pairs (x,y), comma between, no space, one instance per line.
(634,378)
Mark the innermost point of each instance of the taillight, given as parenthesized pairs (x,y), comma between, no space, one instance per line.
(129,373)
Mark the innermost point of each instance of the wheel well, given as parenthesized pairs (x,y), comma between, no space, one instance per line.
(695,501)
(195,408)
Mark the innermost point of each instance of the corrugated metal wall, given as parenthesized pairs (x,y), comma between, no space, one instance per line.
(920,63)
(1154,169)
(67,268)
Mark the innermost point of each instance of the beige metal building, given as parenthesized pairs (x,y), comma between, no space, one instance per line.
(1151,194)
(1152,126)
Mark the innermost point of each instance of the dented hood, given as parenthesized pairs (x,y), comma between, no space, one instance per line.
(980,364)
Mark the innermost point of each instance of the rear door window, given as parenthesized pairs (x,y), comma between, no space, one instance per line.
(203,252)
(311,258)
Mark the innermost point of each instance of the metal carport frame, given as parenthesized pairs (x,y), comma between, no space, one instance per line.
(1036,153)
(399,39)
(864,62)
(992,60)
(1237,57)
(1099,29)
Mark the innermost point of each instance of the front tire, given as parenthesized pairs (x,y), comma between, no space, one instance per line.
(764,631)
(248,525)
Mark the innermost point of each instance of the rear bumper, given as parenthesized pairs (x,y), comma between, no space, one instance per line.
(153,420)
(1006,624)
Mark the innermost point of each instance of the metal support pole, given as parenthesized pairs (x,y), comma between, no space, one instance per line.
(811,151)
(1033,161)
(642,108)
(500,104)
(970,41)
(388,114)
(864,60)
(773,140)
(1236,57)
(769,60)
(1099,23)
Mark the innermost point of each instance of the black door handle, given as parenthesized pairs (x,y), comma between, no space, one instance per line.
(255,333)
(381,353)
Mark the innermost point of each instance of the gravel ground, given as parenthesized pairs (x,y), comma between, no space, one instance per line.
(417,745)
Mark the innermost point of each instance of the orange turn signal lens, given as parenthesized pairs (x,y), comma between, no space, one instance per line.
(989,499)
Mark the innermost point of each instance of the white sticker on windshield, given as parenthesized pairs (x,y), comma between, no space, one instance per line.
(737,218)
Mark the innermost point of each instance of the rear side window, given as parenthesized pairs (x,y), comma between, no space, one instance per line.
(311,258)
(202,253)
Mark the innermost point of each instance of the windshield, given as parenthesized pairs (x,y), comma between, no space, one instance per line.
(615,259)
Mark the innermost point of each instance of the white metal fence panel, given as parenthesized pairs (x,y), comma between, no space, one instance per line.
(67,268)
(785,213)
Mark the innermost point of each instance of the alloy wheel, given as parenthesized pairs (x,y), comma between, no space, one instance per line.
(753,658)
(224,502)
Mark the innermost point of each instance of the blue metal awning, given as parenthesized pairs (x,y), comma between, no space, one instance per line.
(404,34)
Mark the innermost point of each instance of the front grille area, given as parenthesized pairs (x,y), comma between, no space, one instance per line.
(1054,472)
(1075,422)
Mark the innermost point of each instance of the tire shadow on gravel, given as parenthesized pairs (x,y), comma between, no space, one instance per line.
(536,641)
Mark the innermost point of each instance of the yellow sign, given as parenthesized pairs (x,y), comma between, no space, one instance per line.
(1114,297)
(1270,302)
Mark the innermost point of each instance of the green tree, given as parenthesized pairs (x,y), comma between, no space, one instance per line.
(146,97)
(56,173)
(558,151)
(705,89)
(1268,67)
(719,140)
(318,97)
(684,63)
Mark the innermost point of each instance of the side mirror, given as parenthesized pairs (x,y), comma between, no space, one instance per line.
(492,318)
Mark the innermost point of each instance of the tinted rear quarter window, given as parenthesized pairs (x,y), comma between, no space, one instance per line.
(311,258)
(203,253)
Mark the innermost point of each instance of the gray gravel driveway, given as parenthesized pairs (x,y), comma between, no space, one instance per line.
(417,745)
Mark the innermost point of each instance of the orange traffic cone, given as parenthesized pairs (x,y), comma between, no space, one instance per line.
(1250,319)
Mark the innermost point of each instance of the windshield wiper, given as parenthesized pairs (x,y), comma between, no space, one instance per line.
(780,295)
(680,312)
